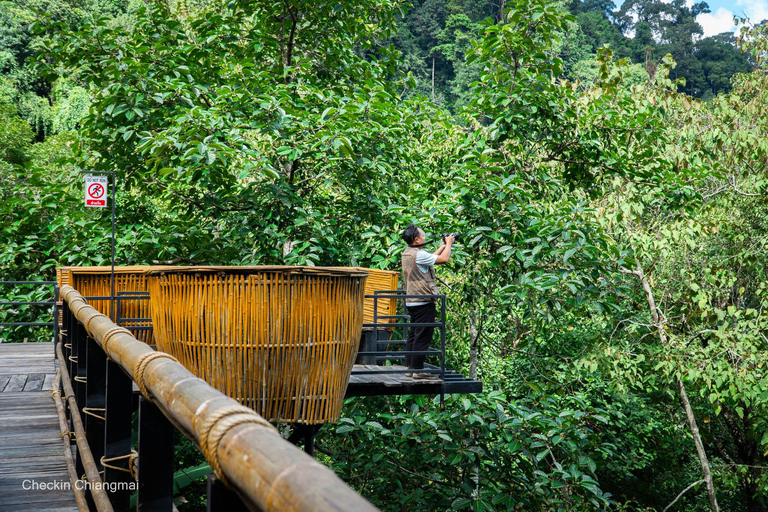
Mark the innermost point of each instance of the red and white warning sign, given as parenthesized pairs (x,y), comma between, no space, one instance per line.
(96,191)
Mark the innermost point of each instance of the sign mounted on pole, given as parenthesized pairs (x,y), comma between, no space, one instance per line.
(96,191)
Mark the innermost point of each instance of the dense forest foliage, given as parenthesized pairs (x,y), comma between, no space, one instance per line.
(606,166)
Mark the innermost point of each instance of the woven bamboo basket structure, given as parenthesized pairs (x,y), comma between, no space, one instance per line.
(380,280)
(281,340)
(95,282)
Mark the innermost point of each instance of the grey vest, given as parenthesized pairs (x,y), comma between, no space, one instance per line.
(416,281)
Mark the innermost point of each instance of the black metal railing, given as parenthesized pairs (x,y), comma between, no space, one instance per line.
(34,303)
(377,350)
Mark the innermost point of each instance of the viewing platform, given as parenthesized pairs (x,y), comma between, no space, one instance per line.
(56,433)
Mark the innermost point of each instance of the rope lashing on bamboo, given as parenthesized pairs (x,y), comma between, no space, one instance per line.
(141,365)
(216,427)
(130,457)
(91,319)
(91,411)
(72,358)
(108,337)
(70,433)
(81,379)
(54,392)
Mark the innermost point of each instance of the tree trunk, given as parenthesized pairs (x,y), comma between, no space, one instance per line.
(473,336)
(433,79)
(699,447)
(658,323)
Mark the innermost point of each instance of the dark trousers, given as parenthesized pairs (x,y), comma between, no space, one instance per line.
(419,338)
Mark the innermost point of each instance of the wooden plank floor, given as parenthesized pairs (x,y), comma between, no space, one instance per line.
(391,380)
(31,450)
(388,380)
(26,367)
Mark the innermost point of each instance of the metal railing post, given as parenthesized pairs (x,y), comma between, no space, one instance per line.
(66,347)
(155,459)
(96,365)
(221,498)
(79,358)
(117,432)
(442,339)
(55,317)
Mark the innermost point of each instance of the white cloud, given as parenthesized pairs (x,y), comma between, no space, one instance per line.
(716,22)
(755,10)
(722,19)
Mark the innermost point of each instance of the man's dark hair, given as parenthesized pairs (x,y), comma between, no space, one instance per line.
(410,233)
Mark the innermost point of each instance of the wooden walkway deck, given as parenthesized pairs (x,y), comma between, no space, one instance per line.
(31,449)
(391,380)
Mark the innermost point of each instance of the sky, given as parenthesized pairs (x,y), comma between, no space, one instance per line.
(721,17)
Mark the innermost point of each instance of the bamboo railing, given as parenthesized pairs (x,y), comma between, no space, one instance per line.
(380,280)
(242,448)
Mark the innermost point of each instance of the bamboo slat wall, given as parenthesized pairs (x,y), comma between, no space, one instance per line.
(380,280)
(95,282)
(281,340)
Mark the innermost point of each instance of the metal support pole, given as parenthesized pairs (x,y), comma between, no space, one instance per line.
(309,439)
(112,276)
(306,433)
(221,498)
(96,365)
(79,362)
(117,432)
(155,459)
(55,317)
(76,334)
(442,353)
(66,316)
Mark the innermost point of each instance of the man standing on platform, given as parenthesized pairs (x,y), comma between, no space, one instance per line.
(419,276)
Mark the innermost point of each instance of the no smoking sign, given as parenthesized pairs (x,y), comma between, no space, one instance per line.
(96,191)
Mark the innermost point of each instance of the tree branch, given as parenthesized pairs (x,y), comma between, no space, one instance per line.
(681,494)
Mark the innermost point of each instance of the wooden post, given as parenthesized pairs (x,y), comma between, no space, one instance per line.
(155,459)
